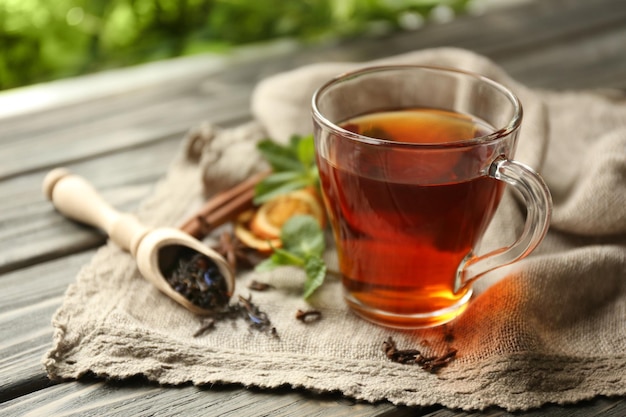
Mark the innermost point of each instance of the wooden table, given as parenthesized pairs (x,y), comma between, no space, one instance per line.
(120,130)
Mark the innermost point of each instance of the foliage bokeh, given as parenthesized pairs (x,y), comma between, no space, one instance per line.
(43,40)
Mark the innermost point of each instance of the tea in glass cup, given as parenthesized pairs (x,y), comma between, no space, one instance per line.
(413,162)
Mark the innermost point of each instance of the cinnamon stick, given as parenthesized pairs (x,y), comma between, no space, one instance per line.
(223,207)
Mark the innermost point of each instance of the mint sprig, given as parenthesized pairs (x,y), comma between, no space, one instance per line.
(303,246)
(293,167)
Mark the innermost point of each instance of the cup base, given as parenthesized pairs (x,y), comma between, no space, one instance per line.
(411,321)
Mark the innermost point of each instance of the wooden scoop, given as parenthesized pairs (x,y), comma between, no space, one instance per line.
(155,250)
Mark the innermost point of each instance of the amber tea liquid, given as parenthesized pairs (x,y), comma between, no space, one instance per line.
(400,242)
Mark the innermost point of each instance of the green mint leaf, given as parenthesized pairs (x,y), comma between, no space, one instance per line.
(303,236)
(268,264)
(293,167)
(285,257)
(280,157)
(281,177)
(303,246)
(314,176)
(264,192)
(305,149)
(280,257)
(315,269)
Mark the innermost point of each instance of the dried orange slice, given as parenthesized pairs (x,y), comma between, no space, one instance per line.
(260,228)
(271,216)
(248,238)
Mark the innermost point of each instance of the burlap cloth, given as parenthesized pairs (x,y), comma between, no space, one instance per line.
(550,329)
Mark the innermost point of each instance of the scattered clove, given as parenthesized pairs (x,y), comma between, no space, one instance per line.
(434,364)
(258,286)
(430,364)
(308,316)
(405,356)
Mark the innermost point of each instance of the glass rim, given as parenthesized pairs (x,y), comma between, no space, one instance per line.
(512,125)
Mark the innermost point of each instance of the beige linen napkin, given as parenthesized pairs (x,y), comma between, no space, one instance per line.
(549,329)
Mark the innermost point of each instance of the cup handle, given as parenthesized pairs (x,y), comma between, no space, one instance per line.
(538,202)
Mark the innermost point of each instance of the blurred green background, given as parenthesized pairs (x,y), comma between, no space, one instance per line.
(42,40)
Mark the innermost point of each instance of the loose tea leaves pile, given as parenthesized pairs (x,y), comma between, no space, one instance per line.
(197,278)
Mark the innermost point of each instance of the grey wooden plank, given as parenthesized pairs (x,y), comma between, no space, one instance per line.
(507,36)
(109,107)
(599,407)
(98,135)
(110,399)
(31,230)
(28,299)
(575,63)
(515,31)
(140,78)
(139,398)
(137,82)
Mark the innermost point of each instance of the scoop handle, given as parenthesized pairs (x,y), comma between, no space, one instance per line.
(77,199)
